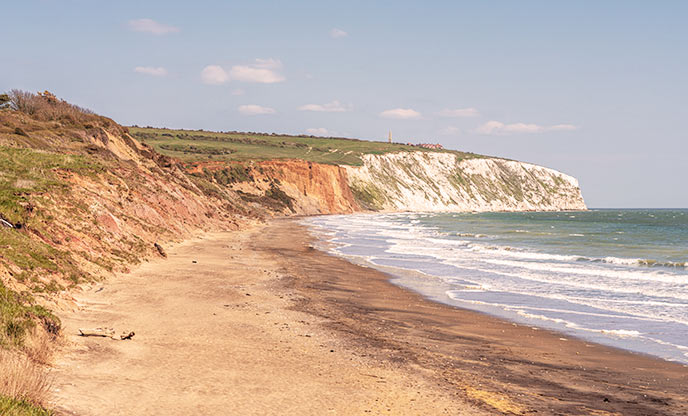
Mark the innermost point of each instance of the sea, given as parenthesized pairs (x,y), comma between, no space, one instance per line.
(616,277)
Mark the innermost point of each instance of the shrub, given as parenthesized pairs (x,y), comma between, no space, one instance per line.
(45,106)
(18,318)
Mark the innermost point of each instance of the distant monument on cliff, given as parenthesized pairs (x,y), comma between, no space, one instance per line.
(389,139)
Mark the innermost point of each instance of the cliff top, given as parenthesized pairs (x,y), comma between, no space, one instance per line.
(195,145)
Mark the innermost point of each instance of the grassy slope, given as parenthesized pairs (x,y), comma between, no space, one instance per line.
(26,177)
(194,145)
(14,407)
(25,172)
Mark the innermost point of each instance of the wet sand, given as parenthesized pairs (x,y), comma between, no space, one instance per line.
(495,364)
(262,323)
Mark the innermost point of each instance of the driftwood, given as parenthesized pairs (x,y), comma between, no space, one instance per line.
(97,332)
(105,333)
(161,251)
(127,336)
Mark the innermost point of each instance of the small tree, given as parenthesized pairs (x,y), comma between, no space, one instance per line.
(4,100)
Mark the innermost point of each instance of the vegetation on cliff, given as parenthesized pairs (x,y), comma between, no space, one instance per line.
(195,145)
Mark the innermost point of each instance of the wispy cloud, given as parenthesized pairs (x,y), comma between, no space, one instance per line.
(262,71)
(499,128)
(459,112)
(319,131)
(151,26)
(254,110)
(150,70)
(338,33)
(214,75)
(401,114)
(333,107)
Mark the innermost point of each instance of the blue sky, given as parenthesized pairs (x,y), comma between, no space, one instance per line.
(595,89)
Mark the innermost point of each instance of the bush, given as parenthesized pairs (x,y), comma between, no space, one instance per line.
(18,319)
(45,106)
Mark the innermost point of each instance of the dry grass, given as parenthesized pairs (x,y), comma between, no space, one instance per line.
(45,106)
(40,345)
(23,379)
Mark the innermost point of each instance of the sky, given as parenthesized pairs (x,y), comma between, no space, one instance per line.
(598,90)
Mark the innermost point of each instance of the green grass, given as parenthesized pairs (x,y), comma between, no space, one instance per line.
(195,145)
(369,196)
(14,407)
(26,171)
(18,315)
(24,174)
(37,259)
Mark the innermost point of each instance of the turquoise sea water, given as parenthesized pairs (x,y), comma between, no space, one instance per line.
(619,277)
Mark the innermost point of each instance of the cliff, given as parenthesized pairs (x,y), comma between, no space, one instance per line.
(317,175)
(402,181)
(423,181)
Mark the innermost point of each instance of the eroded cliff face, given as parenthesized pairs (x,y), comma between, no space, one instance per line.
(81,200)
(405,181)
(285,187)
(316,188)
(426,181)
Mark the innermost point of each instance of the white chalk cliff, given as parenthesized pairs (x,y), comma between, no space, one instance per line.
(436,181)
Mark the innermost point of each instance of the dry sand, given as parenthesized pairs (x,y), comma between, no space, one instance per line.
(218,337)
(264,324)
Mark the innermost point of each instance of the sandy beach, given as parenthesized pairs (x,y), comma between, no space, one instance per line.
(258,322)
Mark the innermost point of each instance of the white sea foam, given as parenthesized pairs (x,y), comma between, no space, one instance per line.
(621,332)
(610,296)
(618,274)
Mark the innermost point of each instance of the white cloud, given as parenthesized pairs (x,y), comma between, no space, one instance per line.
(499,128)
(459,112)
(252,74)
(149,70)
(333,107)
(151,26)
(261,71)
(214,75)
(450,131)
(248,73)
(338,33)
(320,131)
(254,110)
(400,113)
